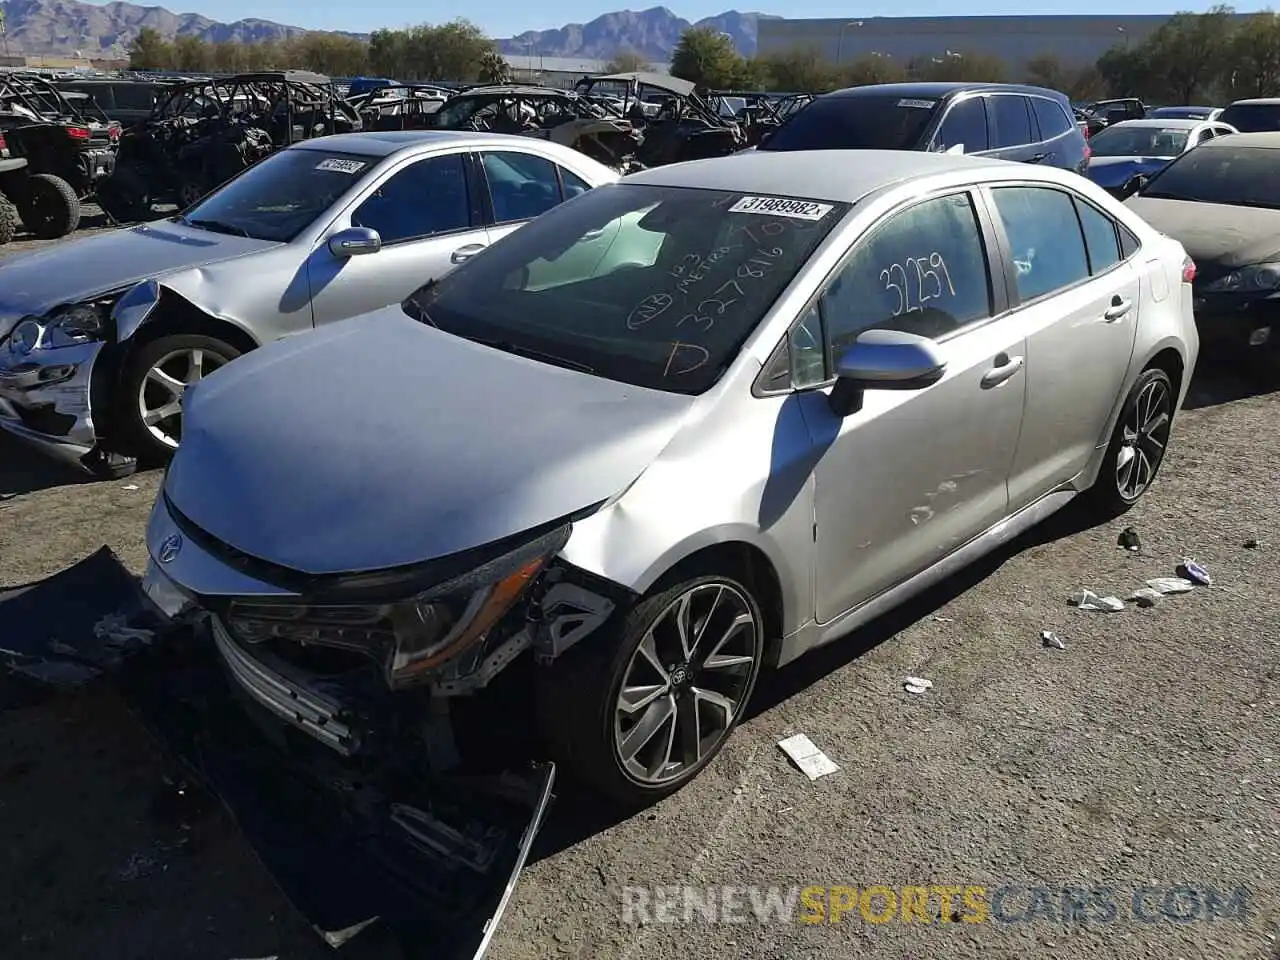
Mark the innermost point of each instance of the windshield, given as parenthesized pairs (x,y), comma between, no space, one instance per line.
(1190,113)
(1138,142)
(1238,176)
(1252,117)
(279,197)
(653,286)
(868,122)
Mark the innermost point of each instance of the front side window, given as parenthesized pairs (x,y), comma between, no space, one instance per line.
(1238,176)
(964,127)
(923,271)
(1013,124)
(522,186)
(1044,238)
(279,197)
(649,285)
(1252,117)
(865,122)
(426,198)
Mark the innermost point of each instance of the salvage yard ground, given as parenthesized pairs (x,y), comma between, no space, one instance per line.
(1146,754)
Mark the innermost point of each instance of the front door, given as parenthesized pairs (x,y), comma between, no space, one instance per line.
(1079,312)
(913,475)
(1013,135)
(428,221)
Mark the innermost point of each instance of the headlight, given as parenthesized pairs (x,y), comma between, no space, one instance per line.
(135,306)
(78,324)
(410,636)
(1255,278)
(25,337)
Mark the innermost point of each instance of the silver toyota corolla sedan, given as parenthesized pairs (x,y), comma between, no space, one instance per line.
(686,425)
(100,338)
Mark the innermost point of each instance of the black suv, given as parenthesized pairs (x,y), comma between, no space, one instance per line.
(1004,120)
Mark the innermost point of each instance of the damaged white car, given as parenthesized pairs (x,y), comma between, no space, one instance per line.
(100,338)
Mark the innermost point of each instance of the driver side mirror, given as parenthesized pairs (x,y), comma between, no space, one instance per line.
(355,242)
(765,138)
(884,360)
(1133,185)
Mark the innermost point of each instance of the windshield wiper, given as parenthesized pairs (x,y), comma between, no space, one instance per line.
(508,347)
(218,226)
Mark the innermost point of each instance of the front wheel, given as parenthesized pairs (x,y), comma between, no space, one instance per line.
(1137,445)
(637,713)
(155,379)
(8,220)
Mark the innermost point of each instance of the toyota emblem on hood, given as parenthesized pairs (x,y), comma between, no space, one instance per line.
(170,547)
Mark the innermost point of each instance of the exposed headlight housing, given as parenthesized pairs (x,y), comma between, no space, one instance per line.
(25,337)
(411,636)
(82,323)
(1255,278)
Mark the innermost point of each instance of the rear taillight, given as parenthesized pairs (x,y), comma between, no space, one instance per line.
(1088,151)
(78,133)
(1188,270)
(3,144)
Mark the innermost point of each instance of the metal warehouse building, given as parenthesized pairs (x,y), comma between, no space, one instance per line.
(1015,40)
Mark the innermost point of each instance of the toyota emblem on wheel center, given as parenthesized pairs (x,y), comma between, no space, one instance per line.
(170,547)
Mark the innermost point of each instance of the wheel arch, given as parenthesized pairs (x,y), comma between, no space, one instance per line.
(174,313)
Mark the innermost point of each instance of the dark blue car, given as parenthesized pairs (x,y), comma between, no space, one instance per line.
(1003,120)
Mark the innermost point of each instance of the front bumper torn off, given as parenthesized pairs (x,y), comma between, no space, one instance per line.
(45,398)
(433,860)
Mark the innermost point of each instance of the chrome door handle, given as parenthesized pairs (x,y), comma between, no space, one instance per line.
(1119,307)
(466,253)
(1002,371)
(1038,157)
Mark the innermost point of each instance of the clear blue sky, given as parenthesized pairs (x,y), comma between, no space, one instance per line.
(504,18)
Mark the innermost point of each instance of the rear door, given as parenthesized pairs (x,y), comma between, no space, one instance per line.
(1077,299)
(1011,130)
(1060,139)
(518,186)
(426,212)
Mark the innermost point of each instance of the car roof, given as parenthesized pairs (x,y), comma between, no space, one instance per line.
(386,143)
(937,89)
(508,90)
(838,176)
(1268,140)
(1162,123)
(1256,102)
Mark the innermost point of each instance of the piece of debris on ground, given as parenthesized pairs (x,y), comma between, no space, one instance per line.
(1130,540)
(1051,639)
(916,685)
(1086,599)
(811,761)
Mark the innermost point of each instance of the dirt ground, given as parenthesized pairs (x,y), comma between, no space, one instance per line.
(1144,755)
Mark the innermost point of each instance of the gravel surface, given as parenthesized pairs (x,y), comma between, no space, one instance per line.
(1145,754)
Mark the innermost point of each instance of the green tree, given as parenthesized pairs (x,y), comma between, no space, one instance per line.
(627,61)
(1127,72)
(706,57)
(1252,64)
(1046,70)
(966,65)
(150,51)
(191,53)
(493,68)
(799,70)
(1187,53)
(871,68)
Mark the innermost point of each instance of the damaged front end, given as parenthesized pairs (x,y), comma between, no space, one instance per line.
(326,728)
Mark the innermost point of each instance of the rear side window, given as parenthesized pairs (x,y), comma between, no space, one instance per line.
(1045,241)
(134,96)
(1013,125)
(965,125)
(1252,117)
(1099,238)
(1053,120)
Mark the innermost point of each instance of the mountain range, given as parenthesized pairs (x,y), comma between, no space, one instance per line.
(71,28)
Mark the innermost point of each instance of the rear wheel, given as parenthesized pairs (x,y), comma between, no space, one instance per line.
(1137,445)
(152,389)
(639,713)
(50,208)
(8,220)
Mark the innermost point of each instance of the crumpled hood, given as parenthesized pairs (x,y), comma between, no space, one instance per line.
(380,441)
(34,284)
(1112,172)
(1214,233)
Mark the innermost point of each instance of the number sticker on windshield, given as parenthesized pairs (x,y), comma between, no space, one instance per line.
(917,104)
(338,165)
(782,207)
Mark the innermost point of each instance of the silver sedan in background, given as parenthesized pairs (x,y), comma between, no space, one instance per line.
(101,337)
(698,421)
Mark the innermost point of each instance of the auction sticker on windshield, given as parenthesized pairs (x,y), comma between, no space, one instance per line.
(782,207)
(917,104)
(338,165)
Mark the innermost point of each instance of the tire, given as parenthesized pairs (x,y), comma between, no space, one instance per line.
(578,695)
(173,353)
(124,197)
(8,220)
(1137,446)
(51,207)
